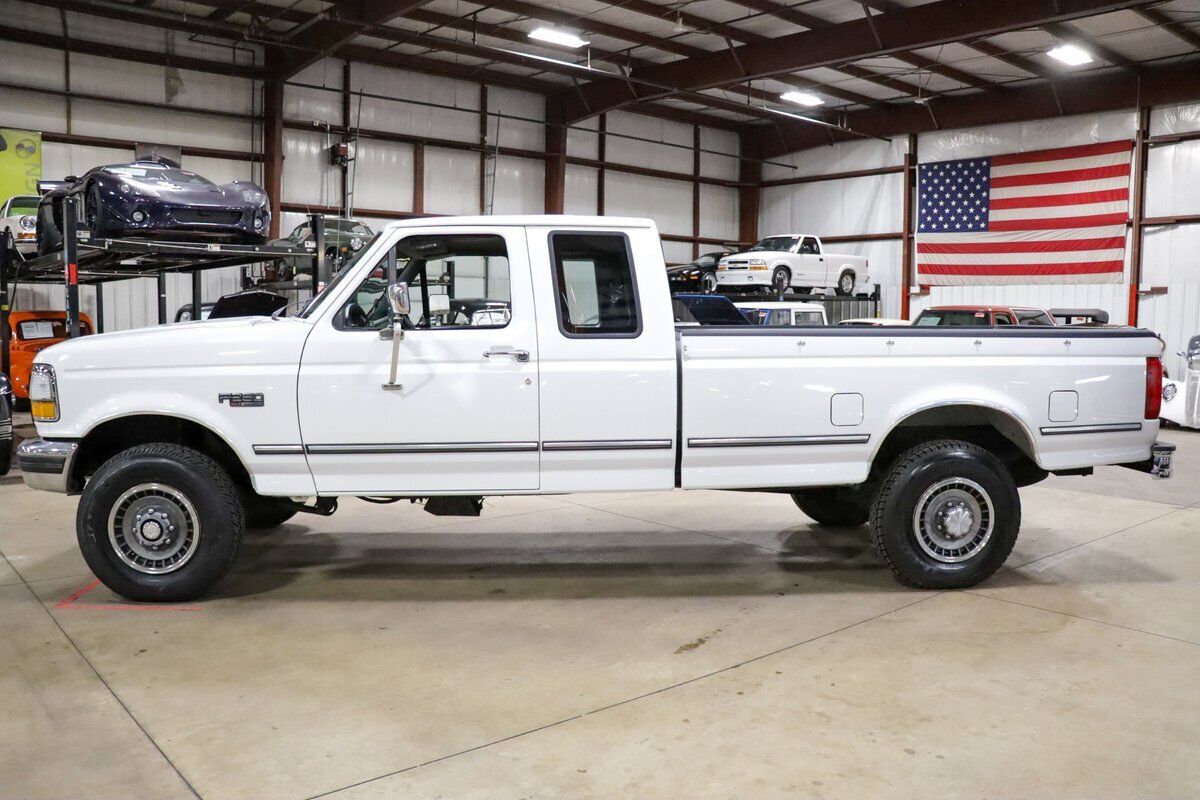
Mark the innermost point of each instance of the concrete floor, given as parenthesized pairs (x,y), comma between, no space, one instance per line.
(701,645)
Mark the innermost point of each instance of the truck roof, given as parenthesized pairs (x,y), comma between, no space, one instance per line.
(983,308)
(514,220)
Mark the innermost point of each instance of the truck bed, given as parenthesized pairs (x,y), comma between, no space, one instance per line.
(780,407)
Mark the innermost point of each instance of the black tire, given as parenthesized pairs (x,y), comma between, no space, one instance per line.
(6,454)
(841,288)
(938,476)
(835,507)
(91,210)
(264,513)
(804,290)
(845,286)
(181,477)
(49,237)
(781,280)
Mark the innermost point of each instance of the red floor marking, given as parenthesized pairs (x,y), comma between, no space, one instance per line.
(71,602)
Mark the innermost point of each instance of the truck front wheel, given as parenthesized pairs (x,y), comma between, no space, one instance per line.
(835,507)
(946,515)
(160,523)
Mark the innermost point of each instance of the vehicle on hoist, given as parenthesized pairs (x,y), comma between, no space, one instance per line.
(153,199)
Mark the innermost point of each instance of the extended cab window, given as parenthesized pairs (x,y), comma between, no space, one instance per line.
(454,281)
(593,279)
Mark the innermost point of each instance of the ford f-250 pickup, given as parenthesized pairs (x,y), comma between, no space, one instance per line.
(180,437)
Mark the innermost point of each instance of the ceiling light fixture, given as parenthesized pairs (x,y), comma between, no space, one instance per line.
(802,99)
(680,27)
(1070,54)
(556,36)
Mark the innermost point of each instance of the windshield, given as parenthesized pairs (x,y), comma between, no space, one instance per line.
(776,243)
(22,206)
(331,287)
(34,329)
(155,174)
(960,317)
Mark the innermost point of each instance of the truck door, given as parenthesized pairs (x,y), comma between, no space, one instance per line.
(606,337)
(812,262)
(464,418)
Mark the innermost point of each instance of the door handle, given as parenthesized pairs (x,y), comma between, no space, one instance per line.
(519,355)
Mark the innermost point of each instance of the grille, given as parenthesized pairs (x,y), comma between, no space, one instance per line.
(736,265)
(206,216)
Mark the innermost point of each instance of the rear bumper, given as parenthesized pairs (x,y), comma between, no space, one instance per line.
(1159,464)
(46,464)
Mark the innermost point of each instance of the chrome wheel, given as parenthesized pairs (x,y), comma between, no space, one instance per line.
(847,283)
(708,284)
(953,520)
(153,528)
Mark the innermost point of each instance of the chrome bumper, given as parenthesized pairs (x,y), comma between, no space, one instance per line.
(46,464)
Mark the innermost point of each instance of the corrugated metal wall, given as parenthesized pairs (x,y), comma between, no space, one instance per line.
(456,181)
(873,205)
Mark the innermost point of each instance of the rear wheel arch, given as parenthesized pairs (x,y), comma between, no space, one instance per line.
(993,428)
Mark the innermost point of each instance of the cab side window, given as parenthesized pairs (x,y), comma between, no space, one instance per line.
(1003,319)
(455,281)
(594,284)
(809,247)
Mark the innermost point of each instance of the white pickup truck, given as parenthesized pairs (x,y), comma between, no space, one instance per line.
(793,261)
(179,437)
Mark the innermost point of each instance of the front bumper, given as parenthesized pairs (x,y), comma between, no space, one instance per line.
(750,279)
(46,464)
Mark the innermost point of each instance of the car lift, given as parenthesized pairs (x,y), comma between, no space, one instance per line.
(90,261)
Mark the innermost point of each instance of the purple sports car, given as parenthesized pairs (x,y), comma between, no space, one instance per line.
(155,199)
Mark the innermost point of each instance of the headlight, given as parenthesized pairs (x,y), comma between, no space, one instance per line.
(252,196)
(1169,392)
(27,223)
(125,188)
(722,265)
(43,393)
(356,243)
(757,262)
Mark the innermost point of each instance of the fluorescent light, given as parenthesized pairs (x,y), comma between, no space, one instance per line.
(802,98)
(1071,55)
(555,36)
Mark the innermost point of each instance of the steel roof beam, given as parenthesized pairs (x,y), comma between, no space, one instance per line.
(929,25)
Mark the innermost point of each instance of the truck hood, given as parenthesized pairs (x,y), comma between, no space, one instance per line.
(758,254)
(240,341)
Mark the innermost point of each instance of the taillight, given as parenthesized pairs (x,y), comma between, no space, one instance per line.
(1154,379)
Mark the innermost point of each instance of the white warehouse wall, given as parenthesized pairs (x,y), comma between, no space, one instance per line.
(873,205)
(129,303)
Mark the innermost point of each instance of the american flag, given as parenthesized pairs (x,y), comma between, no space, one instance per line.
(1048,216)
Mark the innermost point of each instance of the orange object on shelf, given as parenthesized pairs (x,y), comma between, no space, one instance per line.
(31,333)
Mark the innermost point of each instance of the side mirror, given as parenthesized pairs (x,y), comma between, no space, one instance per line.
(397,294)
(72,179)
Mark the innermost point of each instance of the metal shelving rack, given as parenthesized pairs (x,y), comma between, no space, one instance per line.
(88,261)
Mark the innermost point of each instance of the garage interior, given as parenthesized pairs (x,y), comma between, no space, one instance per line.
(698,644)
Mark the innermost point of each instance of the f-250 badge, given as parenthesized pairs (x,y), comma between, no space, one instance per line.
(242,399)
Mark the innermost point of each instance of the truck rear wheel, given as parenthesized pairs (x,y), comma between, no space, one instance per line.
(946,515)
(160,523)
(835,507)
(845,284)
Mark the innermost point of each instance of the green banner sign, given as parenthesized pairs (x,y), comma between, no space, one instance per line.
(20,162)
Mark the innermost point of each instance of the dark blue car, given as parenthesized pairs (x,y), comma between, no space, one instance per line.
(155,199)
